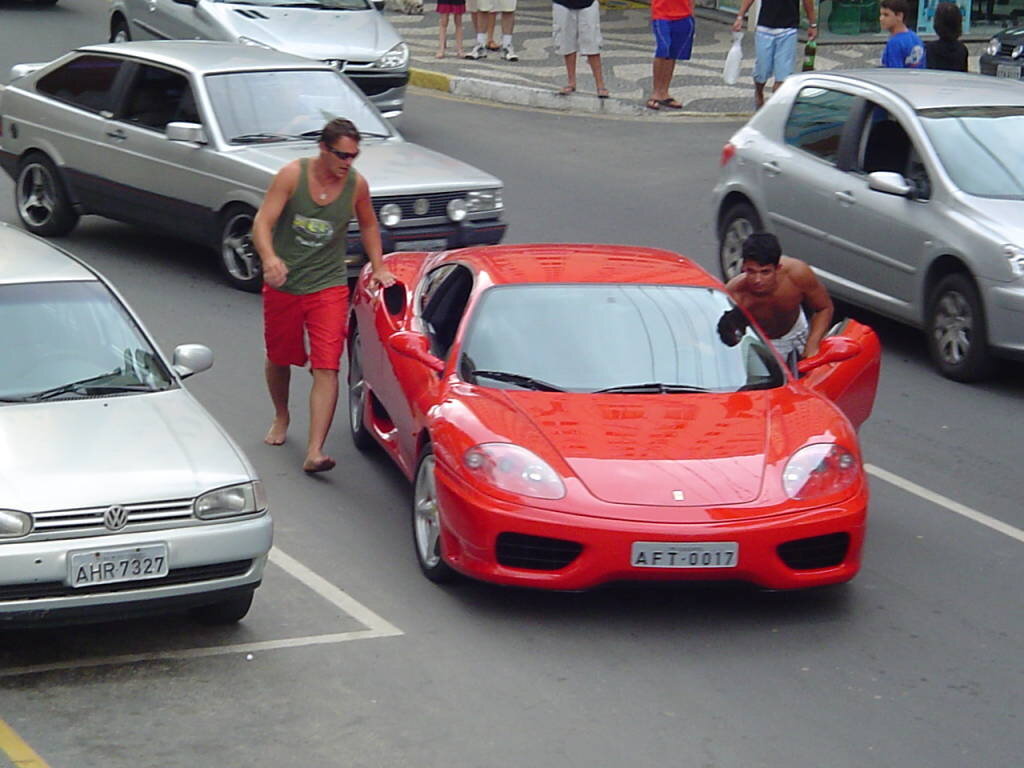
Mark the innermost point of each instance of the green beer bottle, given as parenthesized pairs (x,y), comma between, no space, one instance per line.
(809,50)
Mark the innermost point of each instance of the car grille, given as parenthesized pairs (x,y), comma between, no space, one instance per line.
(158,514)
(437,204)
(815,552)
(1006,49)
(536,553)
(176,576)
(371,85)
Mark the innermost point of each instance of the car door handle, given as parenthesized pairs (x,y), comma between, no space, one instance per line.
(846,197)
(117,134)
(771,167)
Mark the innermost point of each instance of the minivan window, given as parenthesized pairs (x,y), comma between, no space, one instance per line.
(816,121)
(87,82)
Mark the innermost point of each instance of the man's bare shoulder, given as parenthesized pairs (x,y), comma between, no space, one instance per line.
(795,269)
(736,284)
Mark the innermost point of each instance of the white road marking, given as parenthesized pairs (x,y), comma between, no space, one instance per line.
(375,627)
(942,501)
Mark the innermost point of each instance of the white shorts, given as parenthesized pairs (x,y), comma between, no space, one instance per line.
(495,6)
(577,31)
(795,339)
(471,6)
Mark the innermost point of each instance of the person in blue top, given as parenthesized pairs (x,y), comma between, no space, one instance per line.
(904,48)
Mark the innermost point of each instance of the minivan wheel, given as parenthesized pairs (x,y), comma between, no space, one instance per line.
(426,521)
(740,222)
(229,611)
(956,330)
(119,31)
(357,394)
(238,258)
(43,204)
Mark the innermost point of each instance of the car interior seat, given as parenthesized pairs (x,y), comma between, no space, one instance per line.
(887,149)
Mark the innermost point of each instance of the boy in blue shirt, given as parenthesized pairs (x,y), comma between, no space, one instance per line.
(904,48)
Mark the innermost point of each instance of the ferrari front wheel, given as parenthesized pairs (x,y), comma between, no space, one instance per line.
(426,521)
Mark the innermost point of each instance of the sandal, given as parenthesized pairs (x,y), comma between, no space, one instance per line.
(653,104)
(602,93)
(566,90)
(670,103)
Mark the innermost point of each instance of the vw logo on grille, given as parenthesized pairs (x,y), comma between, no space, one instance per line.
(421,206)
(115,518)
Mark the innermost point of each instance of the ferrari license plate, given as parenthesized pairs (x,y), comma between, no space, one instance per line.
(685,554)
(421,245)
(1011,71)
(109,566)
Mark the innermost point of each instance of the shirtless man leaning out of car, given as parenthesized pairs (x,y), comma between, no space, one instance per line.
(775,290)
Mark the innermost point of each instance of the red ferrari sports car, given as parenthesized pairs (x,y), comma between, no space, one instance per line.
(571,415)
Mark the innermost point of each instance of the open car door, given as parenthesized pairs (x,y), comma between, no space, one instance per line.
(846,368)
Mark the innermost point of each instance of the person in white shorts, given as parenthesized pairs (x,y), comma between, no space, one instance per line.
(488,11)
(576,25)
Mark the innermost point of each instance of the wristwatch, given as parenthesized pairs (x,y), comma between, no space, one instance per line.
(813,26)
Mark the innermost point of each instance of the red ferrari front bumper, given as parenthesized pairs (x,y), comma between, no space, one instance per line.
(819,546)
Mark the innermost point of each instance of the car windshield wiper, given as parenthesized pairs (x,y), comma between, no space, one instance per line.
(656,387)
(373,135)
(91,386)
(527,382)
(256,138)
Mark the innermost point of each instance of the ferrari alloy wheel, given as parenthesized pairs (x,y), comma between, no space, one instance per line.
(426,522)
(739,223)
(956,330)
(238,258)
(43,205)
(357,394)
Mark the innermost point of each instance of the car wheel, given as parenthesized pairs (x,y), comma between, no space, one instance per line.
(229,611)
(426,521)
(42,201)
(119,31)
(956,330)
(357,394)
(739,223)
(238,258)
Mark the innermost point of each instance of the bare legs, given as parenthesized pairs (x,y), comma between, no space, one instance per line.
(278,381)
(759,92)
(442,38)
(662,75)
(323,399)
(594,60)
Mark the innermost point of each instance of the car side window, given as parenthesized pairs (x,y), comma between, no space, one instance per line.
(444,305)
(886,146)
(86,82)
(157,97)
(815,123)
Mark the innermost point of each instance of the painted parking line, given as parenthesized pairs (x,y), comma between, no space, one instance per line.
(376,627)
(20,753)
(947,503)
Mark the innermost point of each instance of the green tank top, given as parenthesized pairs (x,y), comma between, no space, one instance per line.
(310,238)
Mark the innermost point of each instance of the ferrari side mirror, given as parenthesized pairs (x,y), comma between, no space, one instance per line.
(833,349)
(415,345)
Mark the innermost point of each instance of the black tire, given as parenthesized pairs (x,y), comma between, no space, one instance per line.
(119,31)
(238,259)
(957,339)
(740,220)
(230,611)
(41,198)
(426,522)
(357,394)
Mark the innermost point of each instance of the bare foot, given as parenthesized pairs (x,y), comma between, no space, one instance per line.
(439,55)
(277,432)
(460,54)
(321,464)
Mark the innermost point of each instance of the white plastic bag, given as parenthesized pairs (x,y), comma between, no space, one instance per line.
(733,59)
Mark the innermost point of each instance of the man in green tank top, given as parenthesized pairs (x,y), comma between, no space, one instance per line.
(299,233)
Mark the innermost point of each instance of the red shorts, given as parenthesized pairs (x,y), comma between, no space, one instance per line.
(288,318)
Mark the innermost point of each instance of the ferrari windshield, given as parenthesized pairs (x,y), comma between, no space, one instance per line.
(978,147)
(72,339)
(642,339)
(264,107)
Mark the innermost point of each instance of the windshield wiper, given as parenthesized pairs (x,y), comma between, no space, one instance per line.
(90,386)
(656,387)
(373,135)
(527,382)
(256,138)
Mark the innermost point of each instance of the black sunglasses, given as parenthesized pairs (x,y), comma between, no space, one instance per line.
(342,155)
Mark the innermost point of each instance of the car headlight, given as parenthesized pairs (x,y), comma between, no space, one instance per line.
(514,469)
(1015,255)
(235,500)
(249,41)
(14,524)
(1016,53)
(390,214)
(819,471)
(993,46)
(396,58)
(483,200)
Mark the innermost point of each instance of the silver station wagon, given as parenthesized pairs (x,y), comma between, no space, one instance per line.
(353,36)
(119,493)
(904,190)
(184,137)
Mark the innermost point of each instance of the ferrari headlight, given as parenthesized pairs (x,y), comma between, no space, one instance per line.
(396,58)
(1015,255)
(993,46)
(483,200)
(14,524)
(249,41)
(235,500)
(514,469)
(819,471)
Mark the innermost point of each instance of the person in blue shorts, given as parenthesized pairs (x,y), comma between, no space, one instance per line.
(775,40)
(673,27)
(904,48)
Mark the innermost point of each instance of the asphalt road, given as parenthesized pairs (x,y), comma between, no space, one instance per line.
(356,660)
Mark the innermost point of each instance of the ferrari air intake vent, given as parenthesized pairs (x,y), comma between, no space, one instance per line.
(535,553)
(815,552)
(251,14)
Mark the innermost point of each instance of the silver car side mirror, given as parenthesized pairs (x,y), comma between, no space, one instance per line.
(890,183)
(190,132)
(191,358)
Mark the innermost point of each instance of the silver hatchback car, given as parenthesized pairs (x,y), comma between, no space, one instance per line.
(904,190)
(119,493)
(351,35)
